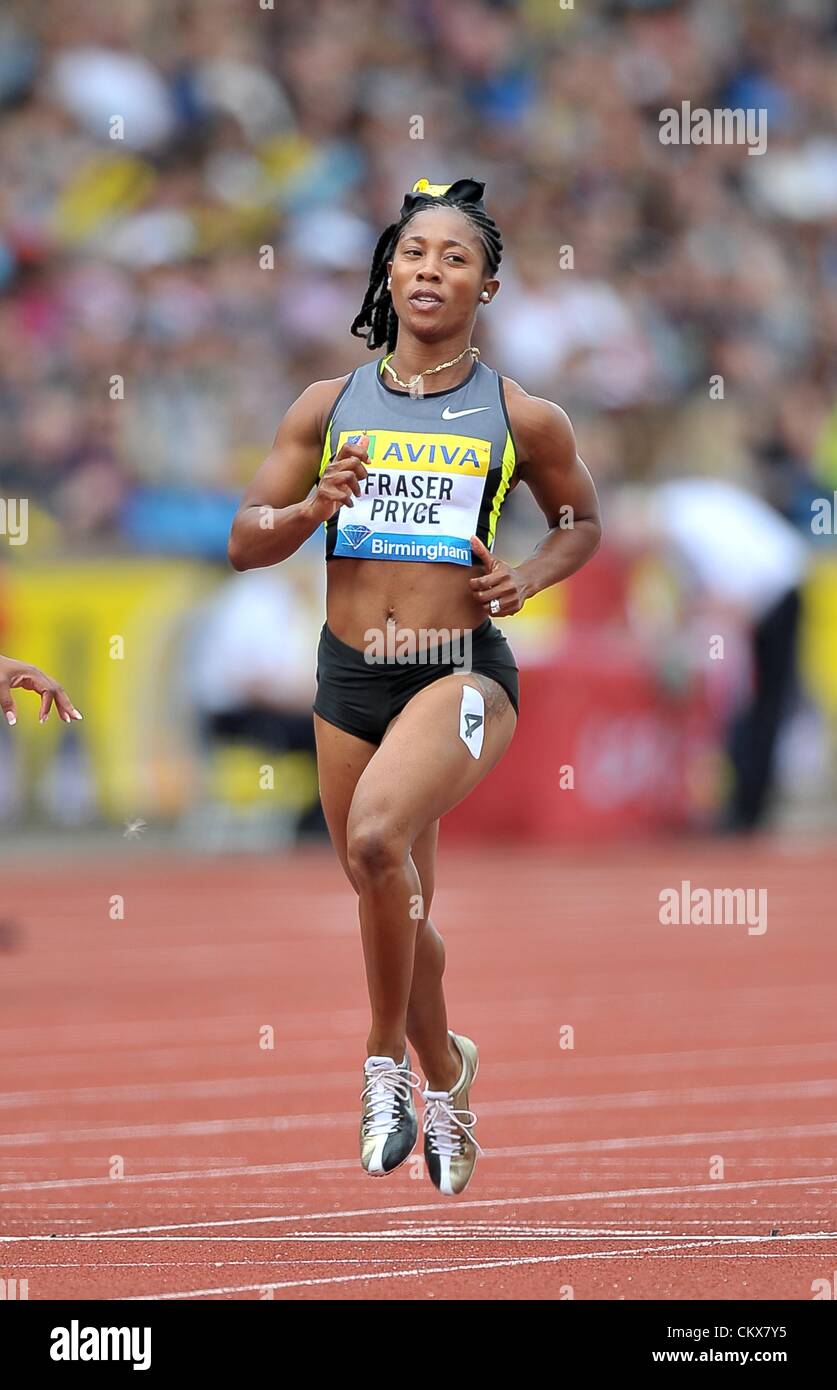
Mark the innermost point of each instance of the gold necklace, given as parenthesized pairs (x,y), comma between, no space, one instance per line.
(414,381)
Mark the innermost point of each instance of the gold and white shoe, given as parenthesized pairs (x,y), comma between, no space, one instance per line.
(450,1149)
(388,1125)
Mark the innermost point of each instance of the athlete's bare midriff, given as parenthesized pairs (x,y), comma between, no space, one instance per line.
(364,594)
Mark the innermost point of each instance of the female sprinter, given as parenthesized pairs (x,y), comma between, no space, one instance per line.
(409,482)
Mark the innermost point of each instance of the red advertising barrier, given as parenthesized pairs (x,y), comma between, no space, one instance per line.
(601,749)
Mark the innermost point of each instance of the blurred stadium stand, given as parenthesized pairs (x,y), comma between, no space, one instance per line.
(149,352)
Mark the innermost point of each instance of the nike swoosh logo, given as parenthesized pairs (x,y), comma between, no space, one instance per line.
(448,414)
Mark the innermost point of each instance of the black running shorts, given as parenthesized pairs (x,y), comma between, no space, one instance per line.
(362,696)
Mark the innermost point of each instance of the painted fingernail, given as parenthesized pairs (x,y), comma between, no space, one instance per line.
(77,714)
(10,717)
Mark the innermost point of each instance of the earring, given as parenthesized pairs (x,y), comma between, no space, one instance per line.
(389,282)
(484,296)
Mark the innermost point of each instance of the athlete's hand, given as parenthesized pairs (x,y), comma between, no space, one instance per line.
(500,582)
(340,479)
(16,675)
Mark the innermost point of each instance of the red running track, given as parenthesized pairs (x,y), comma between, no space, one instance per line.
(684,1147)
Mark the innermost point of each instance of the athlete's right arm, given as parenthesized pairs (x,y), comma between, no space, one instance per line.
(279,511)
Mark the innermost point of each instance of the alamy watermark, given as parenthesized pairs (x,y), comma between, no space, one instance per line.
(418,646)
(14,519)
(696,125)
(824,516)
(714,907)
(77,1342)
(12,1289)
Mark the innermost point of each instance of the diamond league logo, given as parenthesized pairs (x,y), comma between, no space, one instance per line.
(356,535)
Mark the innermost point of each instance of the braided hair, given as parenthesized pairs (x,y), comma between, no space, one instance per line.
(377,320)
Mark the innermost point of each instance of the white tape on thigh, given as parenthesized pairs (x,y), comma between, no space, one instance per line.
(472,719)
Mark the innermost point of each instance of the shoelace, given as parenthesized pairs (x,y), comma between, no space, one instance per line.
(439,1120)
(385,1087)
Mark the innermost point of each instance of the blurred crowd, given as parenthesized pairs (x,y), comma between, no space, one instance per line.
(192,190)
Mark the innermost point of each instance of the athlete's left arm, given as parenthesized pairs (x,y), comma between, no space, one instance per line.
(548,463)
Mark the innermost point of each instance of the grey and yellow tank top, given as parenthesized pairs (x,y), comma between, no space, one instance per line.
(440,467)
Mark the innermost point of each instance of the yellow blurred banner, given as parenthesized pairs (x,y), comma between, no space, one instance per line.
(818,653)
(114,634)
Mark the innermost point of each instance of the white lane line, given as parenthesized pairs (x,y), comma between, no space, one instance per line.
(321,1260)
(513,1263)
(387,1237)
(335,1165)
(159,1030)
(430,1265)
(674,1140)
(318,1262)
(770,1053)
(259,1124)
(797,1091)
(316,1169)
(468,1204)
(171,1090)
(338,1023)
(500,1228)
(754,1255)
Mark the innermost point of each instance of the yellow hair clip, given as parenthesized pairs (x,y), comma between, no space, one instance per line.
(461,191)
(434,190)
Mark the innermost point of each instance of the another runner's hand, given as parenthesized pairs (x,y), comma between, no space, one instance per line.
(16,675)
(340,479)
(500,581)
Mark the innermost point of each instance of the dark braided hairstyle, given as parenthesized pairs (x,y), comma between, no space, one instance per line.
(377,321)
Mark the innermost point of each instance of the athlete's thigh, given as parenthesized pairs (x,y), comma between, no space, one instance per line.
(432,756)
(341,758)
